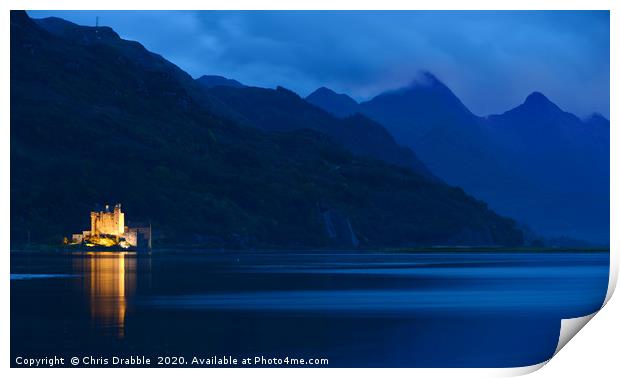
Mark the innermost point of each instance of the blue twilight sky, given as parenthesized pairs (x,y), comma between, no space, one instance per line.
(491,59)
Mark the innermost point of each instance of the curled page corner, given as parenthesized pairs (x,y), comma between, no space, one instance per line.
(524,370)
(569,328)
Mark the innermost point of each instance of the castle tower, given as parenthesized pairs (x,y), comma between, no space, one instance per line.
(107,222)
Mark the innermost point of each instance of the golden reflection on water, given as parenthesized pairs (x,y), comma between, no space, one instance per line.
(109,280)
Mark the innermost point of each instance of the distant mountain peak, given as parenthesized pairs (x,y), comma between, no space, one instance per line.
(426,79)
(427,83)
(539,102)
(537,98)
(536,104)
(538,107)
(598,125)
(338,104)
(425,103)
(596,117)
(323,90)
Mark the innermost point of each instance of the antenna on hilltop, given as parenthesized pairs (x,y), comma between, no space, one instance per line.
(97,28)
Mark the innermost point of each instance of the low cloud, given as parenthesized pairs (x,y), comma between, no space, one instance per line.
(491,60)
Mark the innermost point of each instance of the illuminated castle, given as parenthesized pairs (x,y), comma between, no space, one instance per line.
(108,229)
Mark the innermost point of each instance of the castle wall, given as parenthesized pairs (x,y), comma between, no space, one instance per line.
(144,233)
(77,238)
(131,236)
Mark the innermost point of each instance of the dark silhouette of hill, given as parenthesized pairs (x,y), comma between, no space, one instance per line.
(288,115)
(283,110)
(96,119)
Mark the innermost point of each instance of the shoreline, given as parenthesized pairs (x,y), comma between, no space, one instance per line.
(42,249)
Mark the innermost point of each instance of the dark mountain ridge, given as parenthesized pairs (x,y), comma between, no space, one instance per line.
(215,81)
(537,163)
(109,127)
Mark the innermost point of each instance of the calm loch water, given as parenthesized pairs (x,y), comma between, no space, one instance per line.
(355,309)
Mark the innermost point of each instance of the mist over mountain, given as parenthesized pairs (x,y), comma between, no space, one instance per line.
(422,108)
(95,118)
(537,163)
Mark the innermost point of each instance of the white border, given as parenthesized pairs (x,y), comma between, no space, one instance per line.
(598,350)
